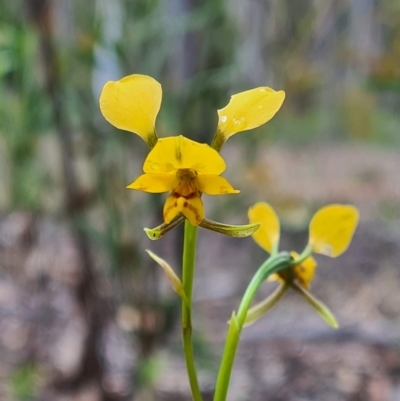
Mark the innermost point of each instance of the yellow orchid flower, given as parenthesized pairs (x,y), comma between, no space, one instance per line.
(187,169)
(330,233)
(177,164)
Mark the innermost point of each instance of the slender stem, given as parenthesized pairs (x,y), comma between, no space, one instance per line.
(303,256)
(275,248)
(218,141)
(272,265)
(188,266)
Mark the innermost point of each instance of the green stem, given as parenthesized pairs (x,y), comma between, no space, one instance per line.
(303,256)
(188,266)
(273,264)
(218,141)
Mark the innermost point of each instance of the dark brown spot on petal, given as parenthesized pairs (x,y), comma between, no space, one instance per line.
(193,210)
(191,195)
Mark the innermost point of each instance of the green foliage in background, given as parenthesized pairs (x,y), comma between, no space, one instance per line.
(24,382)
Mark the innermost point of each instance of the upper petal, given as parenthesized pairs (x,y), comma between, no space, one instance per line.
(155,183)
(267,236)
(332,229)
(247,110)
(214,185)
(178,152)
(132,104)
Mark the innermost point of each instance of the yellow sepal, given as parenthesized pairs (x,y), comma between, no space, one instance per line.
(179,153)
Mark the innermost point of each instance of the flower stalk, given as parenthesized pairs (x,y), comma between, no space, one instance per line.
(188,268)
(272,265)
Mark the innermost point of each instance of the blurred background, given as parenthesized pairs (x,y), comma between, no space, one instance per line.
(84,314)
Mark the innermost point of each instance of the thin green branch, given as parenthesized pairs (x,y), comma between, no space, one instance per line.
(188,267)
(273,264)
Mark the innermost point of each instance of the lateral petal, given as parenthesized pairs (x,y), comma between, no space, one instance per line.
(132,104)
(332,229)
(245,111)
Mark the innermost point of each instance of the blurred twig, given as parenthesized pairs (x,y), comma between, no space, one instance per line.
(91,365)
